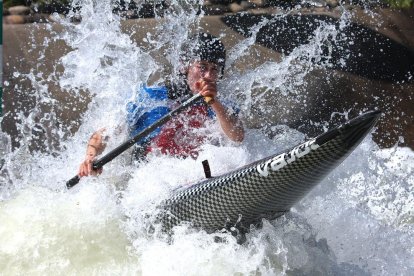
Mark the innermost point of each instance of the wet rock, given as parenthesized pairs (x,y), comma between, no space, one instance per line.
(14,19)
(215,9)
(146,11)
(37,18)
(50,7)
(19,10)
(263,10)
(258,3)
(76,18)
(246,5)
(352,7)
(219,2)
(314,3)
(135,14)
(55,17)
(141,9)
(31,18)
(332,3)
(234,7)
(318,9)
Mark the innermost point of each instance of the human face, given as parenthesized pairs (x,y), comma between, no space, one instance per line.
(200,70)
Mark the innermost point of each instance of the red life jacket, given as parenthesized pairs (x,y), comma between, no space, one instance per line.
(181,136)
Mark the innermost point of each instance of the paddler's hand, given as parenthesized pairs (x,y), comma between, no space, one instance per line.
(207,88)
(86,169)
(95,147)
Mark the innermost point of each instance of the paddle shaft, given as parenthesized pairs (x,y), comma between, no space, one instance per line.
(99,163)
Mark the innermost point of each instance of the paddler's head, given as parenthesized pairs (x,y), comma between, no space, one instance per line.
(203,56)
(204,48)
(203,59)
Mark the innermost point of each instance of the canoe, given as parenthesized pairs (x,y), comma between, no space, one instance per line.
(267,188)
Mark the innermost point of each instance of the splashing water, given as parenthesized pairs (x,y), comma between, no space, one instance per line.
(358,221)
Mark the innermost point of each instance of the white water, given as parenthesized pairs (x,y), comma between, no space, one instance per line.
(358,221)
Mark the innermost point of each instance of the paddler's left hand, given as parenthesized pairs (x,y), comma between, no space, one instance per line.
(86,169)
(95,147)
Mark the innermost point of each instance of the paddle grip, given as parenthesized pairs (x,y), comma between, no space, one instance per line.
(73,181)
(209,100)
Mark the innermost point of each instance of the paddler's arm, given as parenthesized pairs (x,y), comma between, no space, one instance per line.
(230,123)
(96,146)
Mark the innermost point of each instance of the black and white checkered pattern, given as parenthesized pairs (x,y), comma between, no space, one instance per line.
(244,197)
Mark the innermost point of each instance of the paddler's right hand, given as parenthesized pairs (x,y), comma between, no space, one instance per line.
(207,87)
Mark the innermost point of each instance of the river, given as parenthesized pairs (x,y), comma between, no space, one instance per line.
(357,221)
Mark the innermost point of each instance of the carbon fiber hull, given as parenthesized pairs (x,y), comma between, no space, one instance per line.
(266,188)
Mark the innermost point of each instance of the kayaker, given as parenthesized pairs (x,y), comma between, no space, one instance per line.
(202,61)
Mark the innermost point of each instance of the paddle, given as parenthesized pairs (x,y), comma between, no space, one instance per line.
(99,163)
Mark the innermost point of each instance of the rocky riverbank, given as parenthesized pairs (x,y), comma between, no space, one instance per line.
(380,54)
(34,14)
